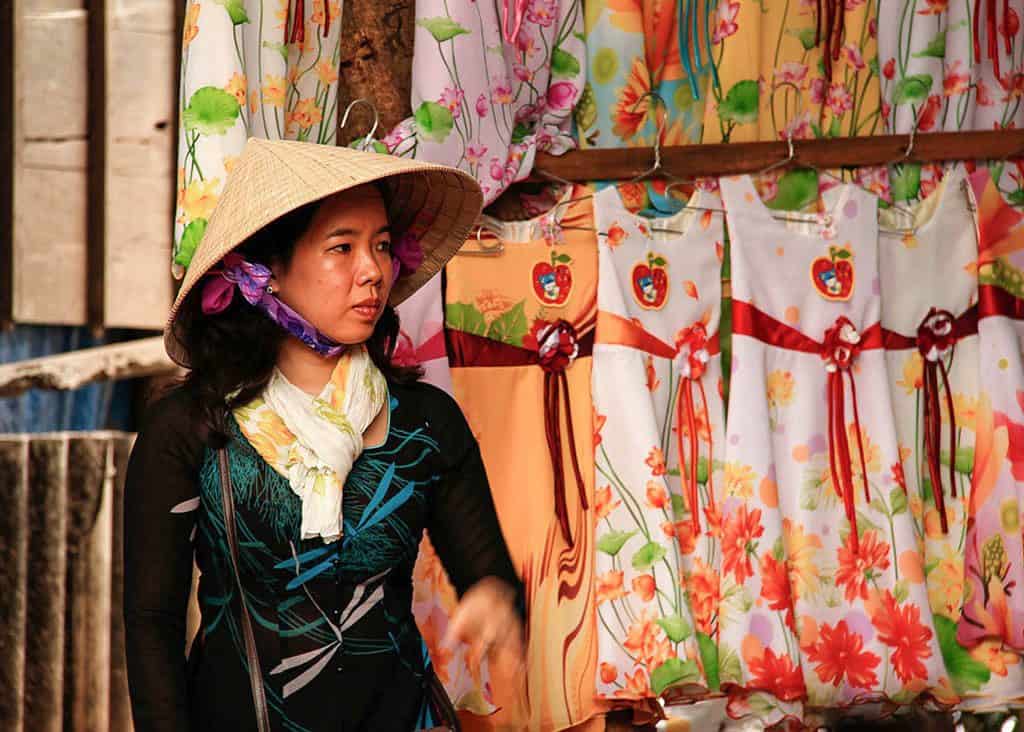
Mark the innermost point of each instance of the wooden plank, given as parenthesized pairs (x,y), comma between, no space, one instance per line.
(50,131)
(87,644)
(100,17)
(9,22)
(120,702)
(141,81)
(735,158)
(145,357)
(47,563)
(14,490)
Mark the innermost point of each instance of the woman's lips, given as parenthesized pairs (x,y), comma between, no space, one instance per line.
(368,309)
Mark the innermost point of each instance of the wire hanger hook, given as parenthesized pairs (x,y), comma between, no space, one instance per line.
(368,139)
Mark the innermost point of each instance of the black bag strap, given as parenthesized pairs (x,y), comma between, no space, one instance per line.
(227,493)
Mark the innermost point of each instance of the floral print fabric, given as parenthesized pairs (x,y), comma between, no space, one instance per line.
(491,88)
(775,78)
(995,558)
(247,71)
(656,389)
(824,602)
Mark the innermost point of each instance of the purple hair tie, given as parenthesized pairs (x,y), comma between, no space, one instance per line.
(252,280)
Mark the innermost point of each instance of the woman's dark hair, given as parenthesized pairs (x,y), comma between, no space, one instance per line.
(232,354)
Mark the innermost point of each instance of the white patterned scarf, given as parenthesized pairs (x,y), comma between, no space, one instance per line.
(313,441)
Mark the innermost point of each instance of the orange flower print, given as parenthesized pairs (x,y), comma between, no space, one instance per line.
(317,16)
(653,382)
(702,587)
(305,115)
(839,652)
(780,389)
(859,568)
(965,409)
(656,461)
(274,90)
(913,373)
(898,476)
(198,200)
(615,236)
(608,673)
(326,72)
(739,480)
(644,587)
(634,196)
(630,113)
(636,685)
(946,584)
(701,423)
(657,496)
(713,515)
(440,654)
(991,654)
(647,642)
(738,545)
(603,503)
(934,7)
(191,25)
(236,88)
(775,588)
(599,420)
(683,532)
(900,628)
(778,675)
(801,549)
(609,586)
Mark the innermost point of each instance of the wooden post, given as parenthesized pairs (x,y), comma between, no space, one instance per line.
(8,76)
(96,211)
(376,64)
(13,577)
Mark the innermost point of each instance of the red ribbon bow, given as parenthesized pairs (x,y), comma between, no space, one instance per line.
(840,348)
(558,347)
(692,355)
(936,338)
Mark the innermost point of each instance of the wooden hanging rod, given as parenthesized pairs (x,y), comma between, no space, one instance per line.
(748,157)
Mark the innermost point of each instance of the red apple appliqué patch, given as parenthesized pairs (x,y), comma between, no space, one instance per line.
(552,280)
(650,282)
(833,275)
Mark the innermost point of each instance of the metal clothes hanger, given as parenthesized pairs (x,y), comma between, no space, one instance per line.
(368,139)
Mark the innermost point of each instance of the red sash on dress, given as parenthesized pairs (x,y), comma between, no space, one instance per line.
(838,350)
(696,349)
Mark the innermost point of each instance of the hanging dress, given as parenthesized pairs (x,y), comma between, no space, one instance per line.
(251,68)
(993,613)
(657,395)
(520,329)
(930,318)
(797,69)
(493,86)
(823,601)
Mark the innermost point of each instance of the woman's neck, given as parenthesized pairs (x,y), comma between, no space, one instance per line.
(304,367)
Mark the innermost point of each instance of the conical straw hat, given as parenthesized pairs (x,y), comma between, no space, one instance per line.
(274,177)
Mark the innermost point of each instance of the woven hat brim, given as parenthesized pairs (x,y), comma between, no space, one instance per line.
(273,178)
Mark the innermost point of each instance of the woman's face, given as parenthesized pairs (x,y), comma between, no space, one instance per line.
(340,274)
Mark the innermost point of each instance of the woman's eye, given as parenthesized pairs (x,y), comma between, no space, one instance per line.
(384,246)
(344,248)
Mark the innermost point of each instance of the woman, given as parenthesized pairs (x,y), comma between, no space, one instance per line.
(335,461)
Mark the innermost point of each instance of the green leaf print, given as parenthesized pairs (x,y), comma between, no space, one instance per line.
(906,182)
(741,103)
(190,239)
(797,189)
(442,28)
(210,111)
(510,326)
(709,657)
(647,555)
(965,673)
(521,131)
(678,507)
(964,463)
(605,65)
(808,38)
(586,109)
(912,89)
(465,317)
(898,500)
(676,628)
(279,47)
(673,671)
(873,66)
(612,542)
(236,10)
(936,47)
(1016,198)
(728,665)
(563,64)
(702,470)
(433,121)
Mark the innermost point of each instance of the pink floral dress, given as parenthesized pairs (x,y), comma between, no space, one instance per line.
(824,604)
(657,394)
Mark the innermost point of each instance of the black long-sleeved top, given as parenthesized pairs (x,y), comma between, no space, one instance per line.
(338,646)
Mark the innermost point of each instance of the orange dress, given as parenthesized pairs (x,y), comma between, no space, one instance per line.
(520,331)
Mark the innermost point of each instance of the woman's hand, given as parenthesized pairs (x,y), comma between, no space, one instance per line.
(487,620)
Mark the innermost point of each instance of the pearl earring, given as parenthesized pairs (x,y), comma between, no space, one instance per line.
(270,289)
